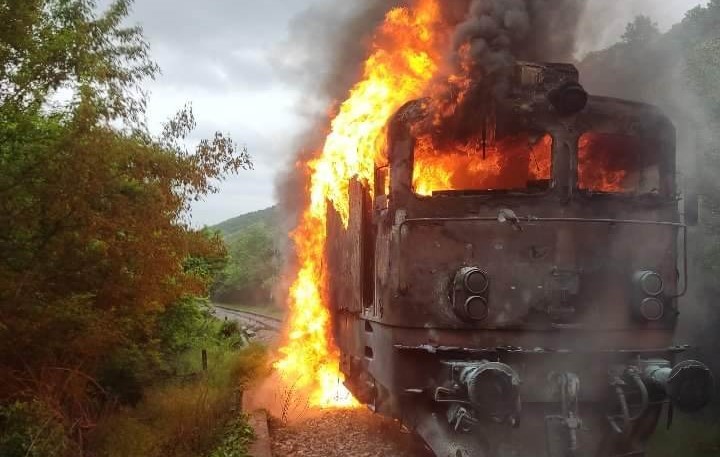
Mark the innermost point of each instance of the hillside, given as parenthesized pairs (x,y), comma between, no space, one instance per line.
(230,227)
(253,259)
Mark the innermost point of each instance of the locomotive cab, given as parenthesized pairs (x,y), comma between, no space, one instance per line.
(512,282)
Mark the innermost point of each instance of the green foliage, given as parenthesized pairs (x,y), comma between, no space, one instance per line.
(253,260)
(642,29)
(184,325)
(268,217)
(699,439)
(124,374)
(237,439)
(703,69)
(48,45)
(30,430)
(251,363)
(100,269)
(252,269)
(186,419)
(635,68)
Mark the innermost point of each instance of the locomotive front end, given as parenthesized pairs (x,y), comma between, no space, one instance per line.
(513,284)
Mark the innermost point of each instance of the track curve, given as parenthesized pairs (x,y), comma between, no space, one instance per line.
(253,318)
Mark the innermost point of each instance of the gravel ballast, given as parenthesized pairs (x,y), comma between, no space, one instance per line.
(343,433)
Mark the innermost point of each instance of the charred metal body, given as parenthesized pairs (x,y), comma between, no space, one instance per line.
(499,322)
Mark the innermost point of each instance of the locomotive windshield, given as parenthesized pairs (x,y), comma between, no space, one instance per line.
(518,163)
(618,164)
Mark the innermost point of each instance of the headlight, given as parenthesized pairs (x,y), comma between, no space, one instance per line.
(652,309)
(476,281)
(470,294)
(648,299)
(476,309)
(650,283)
(689,385)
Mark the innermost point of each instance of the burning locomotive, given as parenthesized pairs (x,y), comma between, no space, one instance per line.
(511,282)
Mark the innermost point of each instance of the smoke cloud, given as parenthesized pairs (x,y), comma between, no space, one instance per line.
(328,43)
(491,35)
(499,31)
(324,53)
(658,71)
(604,22)
(323,56)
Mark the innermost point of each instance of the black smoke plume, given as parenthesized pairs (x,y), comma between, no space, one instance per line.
(491,35)
(329,42)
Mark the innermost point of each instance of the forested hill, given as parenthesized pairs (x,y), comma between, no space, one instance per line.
(230,227)
(253,261)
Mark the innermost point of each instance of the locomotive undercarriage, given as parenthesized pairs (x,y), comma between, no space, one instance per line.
(510,401)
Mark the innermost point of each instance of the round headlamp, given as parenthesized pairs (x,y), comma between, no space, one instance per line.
(476,308)
(652,309)
(476,281)
(650,282)
(470,294)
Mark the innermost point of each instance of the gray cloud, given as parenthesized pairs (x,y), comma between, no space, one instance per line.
(216,54)
(326,45)
(214,43)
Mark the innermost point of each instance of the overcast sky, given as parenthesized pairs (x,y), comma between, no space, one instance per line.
(222,56)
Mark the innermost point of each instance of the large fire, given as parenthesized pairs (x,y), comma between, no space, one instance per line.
(514,163)
(618,164)
(404,58)
(405,64)
(601,167)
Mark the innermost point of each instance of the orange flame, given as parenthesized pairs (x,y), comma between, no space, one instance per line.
(404,64)
(404,58)
(596,170)
(510,163)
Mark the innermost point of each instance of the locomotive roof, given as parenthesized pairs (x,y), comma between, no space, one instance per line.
(601,114)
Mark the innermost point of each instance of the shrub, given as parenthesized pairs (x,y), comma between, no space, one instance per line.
(124,375)
(29,429)
(237,439)
(188,417)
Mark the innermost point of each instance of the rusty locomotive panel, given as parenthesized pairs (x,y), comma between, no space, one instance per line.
(504,321)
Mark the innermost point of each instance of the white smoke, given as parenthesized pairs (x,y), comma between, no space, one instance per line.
(604,21)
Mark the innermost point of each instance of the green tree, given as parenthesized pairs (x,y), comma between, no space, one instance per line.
(252,269)
(642,29)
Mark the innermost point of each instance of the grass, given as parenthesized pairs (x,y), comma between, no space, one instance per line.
(688,437)
(194,418)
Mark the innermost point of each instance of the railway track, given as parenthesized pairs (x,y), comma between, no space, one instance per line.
(257,319)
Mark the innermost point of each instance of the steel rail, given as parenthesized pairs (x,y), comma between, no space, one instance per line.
(274,324)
